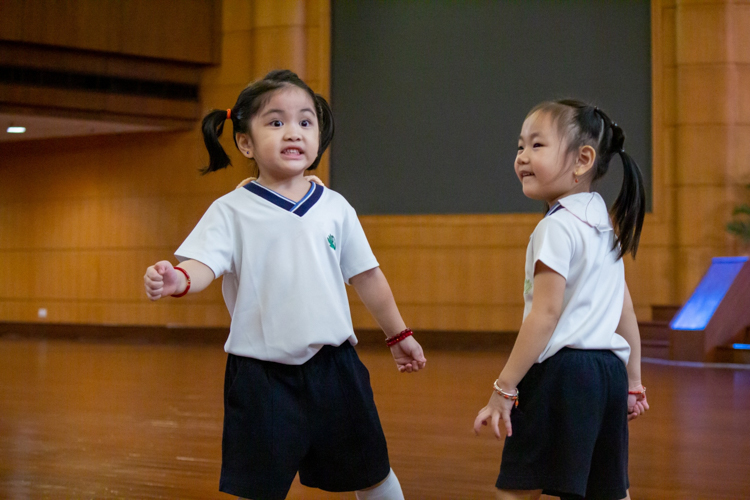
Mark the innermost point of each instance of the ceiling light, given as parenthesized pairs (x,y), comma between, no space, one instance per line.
(16,130)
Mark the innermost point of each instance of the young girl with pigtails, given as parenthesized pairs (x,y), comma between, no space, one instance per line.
(296,396)
(573,379)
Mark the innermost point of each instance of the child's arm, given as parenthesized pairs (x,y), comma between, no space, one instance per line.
(375,293)
(162,280)
(628,329)
(533,337)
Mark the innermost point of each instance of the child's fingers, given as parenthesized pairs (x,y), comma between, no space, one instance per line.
(153,290)
(481,420)
(153,274)
(245,181)
(315,179)
(506,419)
(496,424)
(162,267)
(154,283)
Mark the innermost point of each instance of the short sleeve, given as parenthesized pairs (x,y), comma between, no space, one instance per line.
(356,254)
(552,243)
(211,241)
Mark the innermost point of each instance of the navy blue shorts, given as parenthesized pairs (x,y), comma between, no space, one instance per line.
(570,430)
(318,418)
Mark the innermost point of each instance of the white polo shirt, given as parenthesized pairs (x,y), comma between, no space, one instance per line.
(284,266)
(575,240)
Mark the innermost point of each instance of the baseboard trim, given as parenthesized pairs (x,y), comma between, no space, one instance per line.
(113,333)
(429,339)
(446,341)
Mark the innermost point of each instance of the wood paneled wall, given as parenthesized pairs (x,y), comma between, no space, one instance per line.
(80,219)
(124,61)
(466,272)
(710,123)
(168,29)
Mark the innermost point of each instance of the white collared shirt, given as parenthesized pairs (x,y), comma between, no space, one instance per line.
(284,266)
(576,242)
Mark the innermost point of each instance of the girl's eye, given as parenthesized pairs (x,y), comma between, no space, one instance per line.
(305,123)
(520,148)
(276,123)
(537,145)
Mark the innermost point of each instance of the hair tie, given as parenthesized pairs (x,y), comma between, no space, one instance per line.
(229,113)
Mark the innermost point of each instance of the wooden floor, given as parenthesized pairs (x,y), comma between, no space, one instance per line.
(116,420)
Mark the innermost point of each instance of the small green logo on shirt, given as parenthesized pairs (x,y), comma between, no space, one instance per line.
(527,287)
(331,241)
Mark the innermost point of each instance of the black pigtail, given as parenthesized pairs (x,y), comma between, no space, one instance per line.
(325,125)
(213,126)
(629,208)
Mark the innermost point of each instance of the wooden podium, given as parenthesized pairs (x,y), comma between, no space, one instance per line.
(717,311)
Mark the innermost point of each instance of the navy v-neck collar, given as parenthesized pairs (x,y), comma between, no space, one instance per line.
(299,208)
(554,209)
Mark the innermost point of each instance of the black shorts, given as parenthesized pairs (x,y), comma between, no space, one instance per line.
(318,418)
(570,430)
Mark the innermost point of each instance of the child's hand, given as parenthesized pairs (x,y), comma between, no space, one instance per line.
(161,280)
(498,408)
(408,355)
(637,405)
(245,181)
(314,178)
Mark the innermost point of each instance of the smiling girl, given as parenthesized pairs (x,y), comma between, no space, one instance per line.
(296,396)
(573,378)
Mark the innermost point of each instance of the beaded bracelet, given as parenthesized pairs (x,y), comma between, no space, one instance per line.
(391,341)
(506,395)
(187,276)
(636,393)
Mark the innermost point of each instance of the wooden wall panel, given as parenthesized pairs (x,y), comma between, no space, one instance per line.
(696,102)
(169,29)
(711,59)
(113,104)
(80,219)
(51,58)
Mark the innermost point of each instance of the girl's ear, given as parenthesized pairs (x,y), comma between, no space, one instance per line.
(585,161)
(244,144)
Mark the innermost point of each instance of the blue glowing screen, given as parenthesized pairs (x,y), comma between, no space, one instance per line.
(697,311)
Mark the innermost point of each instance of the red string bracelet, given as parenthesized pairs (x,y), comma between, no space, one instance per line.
(184,292)
(636,393)
(391,341)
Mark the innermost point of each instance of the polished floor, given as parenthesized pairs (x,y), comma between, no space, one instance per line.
(84,420)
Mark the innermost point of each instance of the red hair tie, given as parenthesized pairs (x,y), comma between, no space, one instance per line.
(229,114)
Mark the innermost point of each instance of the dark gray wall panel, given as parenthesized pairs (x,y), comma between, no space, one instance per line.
(429,96)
